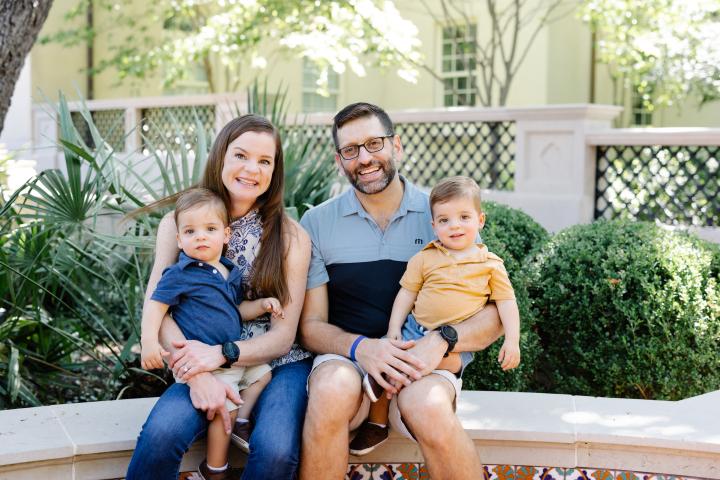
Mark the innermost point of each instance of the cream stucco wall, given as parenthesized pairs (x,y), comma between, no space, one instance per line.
(55,67)
(556,69)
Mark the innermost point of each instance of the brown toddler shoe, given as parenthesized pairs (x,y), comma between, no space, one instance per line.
(369,436)
(240,436)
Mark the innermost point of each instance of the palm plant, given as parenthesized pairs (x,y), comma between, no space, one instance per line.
(71,289)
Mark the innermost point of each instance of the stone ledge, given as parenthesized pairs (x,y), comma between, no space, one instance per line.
(95,440)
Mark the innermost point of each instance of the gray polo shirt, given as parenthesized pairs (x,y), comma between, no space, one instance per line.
(360,263)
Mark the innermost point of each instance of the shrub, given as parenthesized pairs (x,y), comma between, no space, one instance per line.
(510,234)
(513,230)
(627,309)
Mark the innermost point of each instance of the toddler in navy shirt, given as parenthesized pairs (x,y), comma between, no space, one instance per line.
(203,292)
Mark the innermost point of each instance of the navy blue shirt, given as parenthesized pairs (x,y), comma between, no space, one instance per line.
(202,302)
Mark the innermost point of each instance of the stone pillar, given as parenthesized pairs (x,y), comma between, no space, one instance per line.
(554,165)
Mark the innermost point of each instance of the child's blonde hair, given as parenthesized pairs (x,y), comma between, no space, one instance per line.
(195,197)
(455,187)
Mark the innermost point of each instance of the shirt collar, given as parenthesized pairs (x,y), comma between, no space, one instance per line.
(413,200)
(480,256)
(184,261)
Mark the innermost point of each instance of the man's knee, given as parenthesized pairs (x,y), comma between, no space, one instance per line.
(334,388)
(428,411)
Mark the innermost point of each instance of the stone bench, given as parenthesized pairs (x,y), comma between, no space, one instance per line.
(518,435)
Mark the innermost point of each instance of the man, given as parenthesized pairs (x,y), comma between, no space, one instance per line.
(361,242)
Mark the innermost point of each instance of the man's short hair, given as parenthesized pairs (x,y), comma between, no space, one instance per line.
(360,110)
(455,187)
(195,197)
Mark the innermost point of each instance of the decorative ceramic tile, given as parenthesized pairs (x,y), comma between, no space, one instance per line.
(524,472)
(488,473)
(602,474)
(423,472)
(504,472)
(579,474)
(383,471)
(659,476)
(413,471)
(626,475)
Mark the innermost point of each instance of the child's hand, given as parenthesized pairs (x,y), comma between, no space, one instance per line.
(273,306)
(152,355)
(509,357)
(394,334)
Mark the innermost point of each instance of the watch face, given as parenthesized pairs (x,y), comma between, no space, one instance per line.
(230,350)
(449,333)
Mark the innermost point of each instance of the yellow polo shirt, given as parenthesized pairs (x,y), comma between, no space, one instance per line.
(451,290)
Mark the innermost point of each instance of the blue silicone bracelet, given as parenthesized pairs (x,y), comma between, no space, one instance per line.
(357,341)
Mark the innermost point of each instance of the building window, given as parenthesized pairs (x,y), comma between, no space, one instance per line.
(458,65)
(641,116)
(312,101)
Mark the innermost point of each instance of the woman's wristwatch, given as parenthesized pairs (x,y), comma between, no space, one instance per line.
(449,334)
(231,352)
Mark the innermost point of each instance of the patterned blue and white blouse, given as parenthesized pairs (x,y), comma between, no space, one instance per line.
(242,249)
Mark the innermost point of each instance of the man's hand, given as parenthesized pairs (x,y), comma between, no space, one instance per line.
(208,394)
(193,357)
(389,362)
(430,351)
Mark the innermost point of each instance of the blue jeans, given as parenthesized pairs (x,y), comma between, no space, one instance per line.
(174,424)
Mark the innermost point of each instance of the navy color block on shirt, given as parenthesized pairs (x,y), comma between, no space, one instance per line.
(202,302)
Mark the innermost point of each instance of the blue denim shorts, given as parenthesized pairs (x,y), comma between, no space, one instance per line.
(412,330)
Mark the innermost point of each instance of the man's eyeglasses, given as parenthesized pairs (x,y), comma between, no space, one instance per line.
(351,152)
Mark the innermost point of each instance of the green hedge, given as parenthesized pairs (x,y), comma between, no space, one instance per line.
(628,310)
(510,234)
(513,230)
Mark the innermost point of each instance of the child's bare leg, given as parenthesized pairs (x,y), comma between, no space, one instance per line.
(451,363)
(218,441)
(251,394)
(379,411)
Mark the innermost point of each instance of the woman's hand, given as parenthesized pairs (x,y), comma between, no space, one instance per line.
(193,357)
(209,394)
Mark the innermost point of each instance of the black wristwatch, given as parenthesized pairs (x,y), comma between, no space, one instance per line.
(231,352)
(449,334)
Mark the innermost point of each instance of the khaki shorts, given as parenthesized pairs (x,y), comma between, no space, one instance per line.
(396,422)
(239,378)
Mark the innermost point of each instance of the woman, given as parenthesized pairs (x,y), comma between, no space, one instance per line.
(244,167)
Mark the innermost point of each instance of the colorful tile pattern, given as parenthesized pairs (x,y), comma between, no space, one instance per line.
(418,471)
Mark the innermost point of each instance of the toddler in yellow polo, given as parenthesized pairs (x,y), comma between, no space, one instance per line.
(447,282)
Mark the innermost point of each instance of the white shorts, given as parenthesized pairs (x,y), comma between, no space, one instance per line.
(396,422)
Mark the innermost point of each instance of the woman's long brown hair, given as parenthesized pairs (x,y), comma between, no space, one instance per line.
(268,269)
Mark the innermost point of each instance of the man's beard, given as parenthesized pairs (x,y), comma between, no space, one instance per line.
(388,169)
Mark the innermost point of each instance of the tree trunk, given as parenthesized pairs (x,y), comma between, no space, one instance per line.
(20,24)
